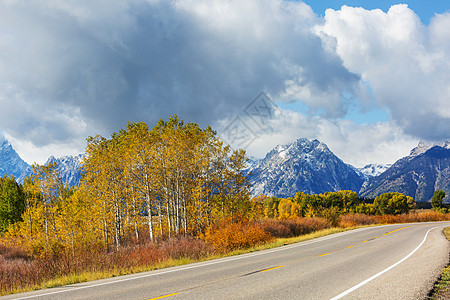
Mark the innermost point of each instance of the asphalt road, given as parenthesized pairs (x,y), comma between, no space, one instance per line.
(388,262)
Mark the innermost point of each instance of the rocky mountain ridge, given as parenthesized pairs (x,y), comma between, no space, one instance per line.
(12,164)
(303,165)
(425,170)
(307,166)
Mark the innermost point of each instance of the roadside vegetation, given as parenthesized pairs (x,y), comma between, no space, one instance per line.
(153,198)
(441,288)
(21,271)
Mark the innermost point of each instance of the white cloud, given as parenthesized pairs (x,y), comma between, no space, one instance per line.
(358,145)
(406,63)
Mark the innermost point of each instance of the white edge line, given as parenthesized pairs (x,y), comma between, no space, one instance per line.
(345,293)
(205,264)
(198,265)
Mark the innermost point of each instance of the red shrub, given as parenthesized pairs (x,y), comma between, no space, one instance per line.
(276,228)
(352,220)
(227,236)
(293,227)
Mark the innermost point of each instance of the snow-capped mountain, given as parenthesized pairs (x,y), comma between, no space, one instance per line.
(424,170)
(373,170)
(12,164)
(423,147)
(68,168)
(10,161)
(303,166)
(252,162)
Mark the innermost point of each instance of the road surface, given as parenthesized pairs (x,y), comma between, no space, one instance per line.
(387,262)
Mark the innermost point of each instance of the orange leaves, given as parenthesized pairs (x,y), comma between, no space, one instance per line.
(227,236)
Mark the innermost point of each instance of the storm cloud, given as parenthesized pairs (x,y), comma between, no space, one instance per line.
(70,69)
(77,67)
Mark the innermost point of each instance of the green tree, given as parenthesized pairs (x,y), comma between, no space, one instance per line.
(393,203)
(271,207)
(437,200)
(12,202)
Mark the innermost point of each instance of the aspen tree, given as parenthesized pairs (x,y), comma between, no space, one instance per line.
(48,183)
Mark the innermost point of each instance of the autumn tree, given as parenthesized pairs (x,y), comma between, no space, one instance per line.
(288,209)
(176,175)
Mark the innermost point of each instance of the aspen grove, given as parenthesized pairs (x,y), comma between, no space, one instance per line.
(140,184)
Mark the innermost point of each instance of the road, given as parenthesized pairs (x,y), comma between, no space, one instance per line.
(387,262)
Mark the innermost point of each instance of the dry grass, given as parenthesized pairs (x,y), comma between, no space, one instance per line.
(18,272)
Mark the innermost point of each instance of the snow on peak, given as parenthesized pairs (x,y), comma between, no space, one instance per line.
(423,147)
(373,170)
(280,148)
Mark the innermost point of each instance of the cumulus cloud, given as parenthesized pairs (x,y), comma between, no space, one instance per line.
(406,63)
(75,68)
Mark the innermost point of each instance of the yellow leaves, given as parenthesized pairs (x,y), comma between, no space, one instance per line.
(288,209)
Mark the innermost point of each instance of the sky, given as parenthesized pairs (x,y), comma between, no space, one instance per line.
(368,78)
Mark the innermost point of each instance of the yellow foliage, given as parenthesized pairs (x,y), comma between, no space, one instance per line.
(288,209)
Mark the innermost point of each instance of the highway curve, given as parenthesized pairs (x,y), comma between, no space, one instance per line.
(387,262)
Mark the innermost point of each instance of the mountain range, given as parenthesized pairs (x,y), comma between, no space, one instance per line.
(306,166)
(12,164)
(425,170)
(310,167)
(302,166)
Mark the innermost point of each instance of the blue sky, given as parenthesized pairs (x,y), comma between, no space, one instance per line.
(376,80)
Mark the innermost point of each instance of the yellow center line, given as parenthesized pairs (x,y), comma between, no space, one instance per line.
(396,230)
(164,296)
(272,269)
(370,239)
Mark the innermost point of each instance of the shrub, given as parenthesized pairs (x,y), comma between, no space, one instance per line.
(332,214)
(276,228)
(430,216)
(227,236)
(18,269)
(186,247)
(293,227)
(352,220)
